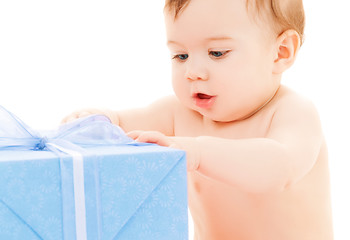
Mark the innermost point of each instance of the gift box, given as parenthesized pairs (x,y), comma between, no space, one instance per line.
(97,189)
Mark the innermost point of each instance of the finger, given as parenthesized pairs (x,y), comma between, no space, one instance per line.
(75,115)
(134,134)
(84,114)
(153,137)
(64,120)
(174,145)
(69,118)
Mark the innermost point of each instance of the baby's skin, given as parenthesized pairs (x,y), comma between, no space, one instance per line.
(256,156)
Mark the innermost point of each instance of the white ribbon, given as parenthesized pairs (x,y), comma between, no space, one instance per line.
(79,191)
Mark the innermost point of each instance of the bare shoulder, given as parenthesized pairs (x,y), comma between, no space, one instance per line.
(170,103)
(294,106)
(173,105)
(297,127)
(168,107)
(158,116)
(295,119)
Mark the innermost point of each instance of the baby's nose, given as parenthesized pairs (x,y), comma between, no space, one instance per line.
(196,71)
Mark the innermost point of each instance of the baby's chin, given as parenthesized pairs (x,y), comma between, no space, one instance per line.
(225,117)
(214,114)
(216,117)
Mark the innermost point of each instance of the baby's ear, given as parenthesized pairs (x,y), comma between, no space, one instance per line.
(287,47)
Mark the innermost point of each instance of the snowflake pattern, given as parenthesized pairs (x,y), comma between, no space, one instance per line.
(141,193)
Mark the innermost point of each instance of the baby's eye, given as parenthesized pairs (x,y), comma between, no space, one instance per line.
(218,54)
(181,57)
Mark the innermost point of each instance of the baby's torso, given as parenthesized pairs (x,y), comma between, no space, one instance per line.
(221,211)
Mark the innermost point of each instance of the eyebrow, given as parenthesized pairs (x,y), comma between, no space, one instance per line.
(219,38)
(172,42)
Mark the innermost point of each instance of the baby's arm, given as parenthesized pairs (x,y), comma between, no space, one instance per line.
(288,152)
(159,116)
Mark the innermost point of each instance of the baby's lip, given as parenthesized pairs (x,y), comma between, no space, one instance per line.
(202,96)
(204,100)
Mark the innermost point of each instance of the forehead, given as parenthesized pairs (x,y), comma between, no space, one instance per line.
(210,18)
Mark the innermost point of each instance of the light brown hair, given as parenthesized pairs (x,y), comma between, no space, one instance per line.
(285,14)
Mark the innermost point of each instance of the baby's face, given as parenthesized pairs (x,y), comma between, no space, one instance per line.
(222,59)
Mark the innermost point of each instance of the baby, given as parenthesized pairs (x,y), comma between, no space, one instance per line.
(257,158)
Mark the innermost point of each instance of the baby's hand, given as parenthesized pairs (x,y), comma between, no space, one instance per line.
(91,111)
(187,144)
(152,137)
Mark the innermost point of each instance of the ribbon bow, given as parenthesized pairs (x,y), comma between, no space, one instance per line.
(70,138)
(90,131)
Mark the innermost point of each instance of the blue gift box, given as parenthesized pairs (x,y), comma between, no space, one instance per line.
(129,192)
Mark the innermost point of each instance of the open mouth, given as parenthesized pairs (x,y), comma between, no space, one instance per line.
(203,96)
(203,100)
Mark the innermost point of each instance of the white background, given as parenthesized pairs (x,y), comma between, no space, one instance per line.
(58,56)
